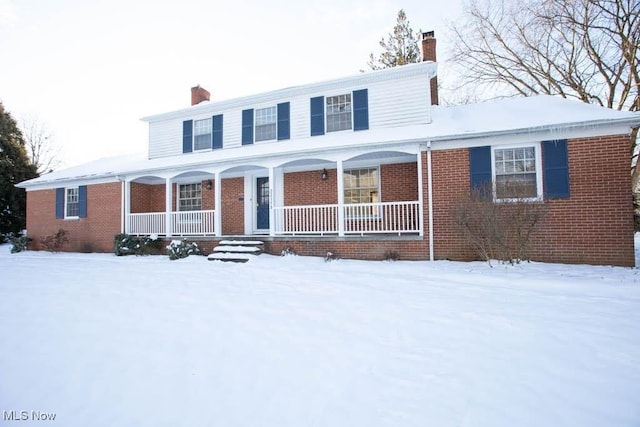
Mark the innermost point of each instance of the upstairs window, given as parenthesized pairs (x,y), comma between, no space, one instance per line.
(202,134)
(190,197)
(517,173)
(266,119)
(338,112)
(72,203)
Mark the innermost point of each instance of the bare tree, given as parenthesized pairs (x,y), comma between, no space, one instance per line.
(399,48)
(583,49)
(40,145)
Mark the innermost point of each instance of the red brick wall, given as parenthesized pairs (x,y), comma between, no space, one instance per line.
(593,226)
(233,206)
(91,234)
(307,188)
(414,250)
(147,198)
(399,182)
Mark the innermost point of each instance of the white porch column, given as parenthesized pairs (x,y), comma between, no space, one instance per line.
(272,217)
(340,180)
(126,201)
(218,205)
(168,203)
(420,195)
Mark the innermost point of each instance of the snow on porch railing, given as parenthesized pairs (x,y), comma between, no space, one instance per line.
(312,219)
(385,217)
(189,223)
(363,218)
(147,223)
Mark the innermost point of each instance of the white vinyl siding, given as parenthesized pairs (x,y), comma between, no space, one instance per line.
(392,102)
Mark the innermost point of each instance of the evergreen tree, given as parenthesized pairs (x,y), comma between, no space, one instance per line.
(400,47)
(14,168)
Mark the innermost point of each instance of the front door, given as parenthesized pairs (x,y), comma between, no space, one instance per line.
(262,214)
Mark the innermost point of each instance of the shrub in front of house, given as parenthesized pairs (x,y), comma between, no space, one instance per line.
(125,244)
(179,249)
(19,243)
(54,242)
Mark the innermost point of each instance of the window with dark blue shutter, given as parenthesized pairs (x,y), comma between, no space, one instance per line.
(360,109)
(480,168)
(216,124)
(556,169)
(60,203)
(82,201)
(187,136)
(317,116)
(283,121)
(247,126)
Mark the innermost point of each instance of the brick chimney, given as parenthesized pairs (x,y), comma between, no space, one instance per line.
(429,54)
(199,94)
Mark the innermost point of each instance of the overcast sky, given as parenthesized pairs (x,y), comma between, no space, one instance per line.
(89,70)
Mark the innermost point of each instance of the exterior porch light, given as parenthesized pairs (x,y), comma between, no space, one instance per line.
(208,184)
(324,175)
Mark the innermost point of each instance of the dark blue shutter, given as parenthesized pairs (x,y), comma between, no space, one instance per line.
(283,121)
(317,116)
(59,203)
(480,168)
(360,109)
(82,201)
(187,136)
(216,127)
(555,169)
(247,126)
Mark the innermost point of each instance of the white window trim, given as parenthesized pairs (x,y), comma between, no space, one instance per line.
(538,156)
(379,214)
(255,124)
(178,199)
(193,138)
(66,200)
(326,114)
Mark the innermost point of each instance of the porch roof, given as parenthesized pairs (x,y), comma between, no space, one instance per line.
(514,116)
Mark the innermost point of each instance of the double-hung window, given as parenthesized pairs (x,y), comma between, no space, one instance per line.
(72,203)
(362,186)
(190,197)
(202,134)
(266,120)
(517,172)
(338,112)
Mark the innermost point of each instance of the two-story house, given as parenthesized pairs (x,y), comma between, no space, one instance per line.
(361,166)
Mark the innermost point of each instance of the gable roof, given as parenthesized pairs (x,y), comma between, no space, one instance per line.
(512,116)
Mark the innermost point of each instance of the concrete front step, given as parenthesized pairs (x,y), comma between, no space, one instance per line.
(236,250)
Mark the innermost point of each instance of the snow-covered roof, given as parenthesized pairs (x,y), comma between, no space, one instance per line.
(463,122)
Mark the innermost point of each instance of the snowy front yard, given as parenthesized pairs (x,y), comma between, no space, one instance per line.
(100,340)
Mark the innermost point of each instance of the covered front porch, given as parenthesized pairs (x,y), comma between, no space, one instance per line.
(376,193)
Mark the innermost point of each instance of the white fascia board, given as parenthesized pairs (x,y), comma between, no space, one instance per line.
(428,69)
(541,133)
(71,182)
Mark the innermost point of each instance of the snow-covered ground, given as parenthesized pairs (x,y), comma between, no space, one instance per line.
(100,340)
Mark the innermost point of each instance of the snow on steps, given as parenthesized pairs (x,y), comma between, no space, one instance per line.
(236,250)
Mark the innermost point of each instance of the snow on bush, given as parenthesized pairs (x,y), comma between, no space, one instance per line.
(178,249)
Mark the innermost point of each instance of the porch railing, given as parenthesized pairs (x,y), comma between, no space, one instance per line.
(312,219)
(363,218)
(187,223)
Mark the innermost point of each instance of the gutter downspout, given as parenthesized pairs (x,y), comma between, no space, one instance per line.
(430,200)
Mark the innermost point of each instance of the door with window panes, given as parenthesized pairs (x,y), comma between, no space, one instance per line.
(262,209)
